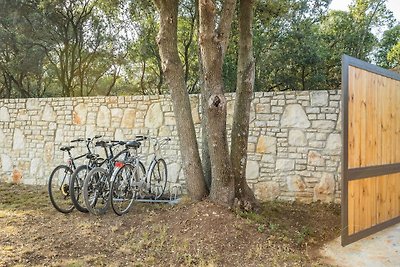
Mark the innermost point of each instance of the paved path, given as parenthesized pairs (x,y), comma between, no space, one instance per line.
(380,249)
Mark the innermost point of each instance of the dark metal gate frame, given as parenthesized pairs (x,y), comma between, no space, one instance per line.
(363,172)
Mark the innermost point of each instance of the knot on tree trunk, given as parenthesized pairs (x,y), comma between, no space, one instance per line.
(216,102)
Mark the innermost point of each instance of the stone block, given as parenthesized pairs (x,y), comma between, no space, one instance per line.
(323,124)
(79,114)
(119,135)
(4,114)
(103,117)
(48,152)
(319,98)
(294,116)
(22,115)
(325,190)
(173,172)
(3,139)
(284,165)
(263,109)
(16,176)
(252,170)
(315,159)
(295,183)
(334,143)
(268,158)
(32,104)
(154,117)
(48,113)
(117,114)
(90,131)
(265,191)
(266,144)
(6,163)
(129,118)
(36,168)
(18,139)
(164,131)
(59,138)
(297,138)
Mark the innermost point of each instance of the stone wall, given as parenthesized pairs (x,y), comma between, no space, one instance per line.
(294,142)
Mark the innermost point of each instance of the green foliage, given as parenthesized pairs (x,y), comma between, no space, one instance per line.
(99,47)
(388,54)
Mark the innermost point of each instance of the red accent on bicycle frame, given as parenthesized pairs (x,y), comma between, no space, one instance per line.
(119,164)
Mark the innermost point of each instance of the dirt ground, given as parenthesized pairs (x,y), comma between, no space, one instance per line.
(33,233)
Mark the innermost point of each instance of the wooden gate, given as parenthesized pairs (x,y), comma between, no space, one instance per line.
(371,149)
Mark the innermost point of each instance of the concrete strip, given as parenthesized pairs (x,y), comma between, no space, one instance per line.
(380,249)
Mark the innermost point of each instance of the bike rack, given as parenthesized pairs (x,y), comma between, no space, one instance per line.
(173,198)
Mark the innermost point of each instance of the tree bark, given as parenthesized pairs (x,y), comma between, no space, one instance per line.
(174,74)
(244,93)
(223,33)
(211,49)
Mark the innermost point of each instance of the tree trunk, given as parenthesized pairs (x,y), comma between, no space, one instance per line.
(211,48)
(205,154)
(174,74)
(223,33)
(244,92)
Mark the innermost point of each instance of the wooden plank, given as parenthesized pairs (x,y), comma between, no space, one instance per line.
(351,118)
(363,87)
(397,107)
(383,204)
(393,114)
(351,207)
(362,210)
(397,195)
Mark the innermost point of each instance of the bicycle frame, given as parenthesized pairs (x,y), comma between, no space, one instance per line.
(156,155)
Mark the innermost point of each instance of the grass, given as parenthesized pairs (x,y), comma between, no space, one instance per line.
(189,234)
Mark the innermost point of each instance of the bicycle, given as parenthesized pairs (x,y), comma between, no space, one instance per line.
(96,186)
(80,173)
(59,180)
(130,181)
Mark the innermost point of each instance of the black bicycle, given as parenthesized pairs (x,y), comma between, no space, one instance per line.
(79,175)
(59,181)
(96,186)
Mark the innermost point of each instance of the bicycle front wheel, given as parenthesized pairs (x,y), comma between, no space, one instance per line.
(59,190)
(96,191)
(158,178)
(122,189)
(76,185)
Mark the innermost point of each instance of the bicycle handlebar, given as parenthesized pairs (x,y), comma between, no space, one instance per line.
(77,140)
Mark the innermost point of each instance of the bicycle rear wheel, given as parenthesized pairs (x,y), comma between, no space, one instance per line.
(158,178)
(59,190)
(96,191)
(76,185)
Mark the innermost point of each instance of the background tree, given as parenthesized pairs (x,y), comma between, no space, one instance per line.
(388,53)
(99,47)
(21,61)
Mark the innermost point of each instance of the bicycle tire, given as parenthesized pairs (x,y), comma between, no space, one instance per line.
(122,190)
(59,189)
(76,184)
(158,178)
(96,188)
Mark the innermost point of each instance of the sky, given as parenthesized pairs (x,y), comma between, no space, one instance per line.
(392,5)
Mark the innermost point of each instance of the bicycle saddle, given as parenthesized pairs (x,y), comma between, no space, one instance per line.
(66,148)
(92,156)
(132,144)
(101,143)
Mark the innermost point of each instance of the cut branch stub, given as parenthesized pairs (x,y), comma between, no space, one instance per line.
(217,101)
